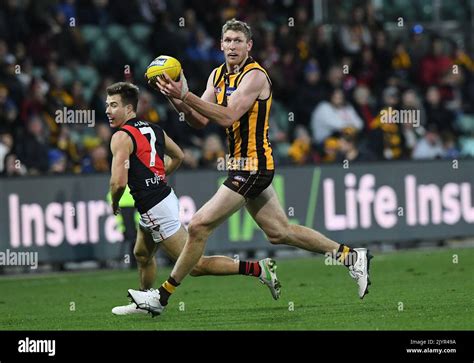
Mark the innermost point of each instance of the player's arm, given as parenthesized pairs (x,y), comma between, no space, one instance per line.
(175,154)
(121,147)
(191,116)
(238,103)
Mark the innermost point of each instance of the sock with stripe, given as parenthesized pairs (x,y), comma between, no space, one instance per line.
(168,287)
(249,268)
(346,255)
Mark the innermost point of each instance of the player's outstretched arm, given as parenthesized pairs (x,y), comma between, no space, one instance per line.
(121,147)
(238,104)
(191,116)
(175,154)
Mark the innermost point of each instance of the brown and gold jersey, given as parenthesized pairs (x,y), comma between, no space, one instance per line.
(249,146)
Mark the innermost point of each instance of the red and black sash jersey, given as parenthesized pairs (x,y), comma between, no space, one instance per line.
(146,173)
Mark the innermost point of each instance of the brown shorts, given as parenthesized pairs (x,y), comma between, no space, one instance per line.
(247,184)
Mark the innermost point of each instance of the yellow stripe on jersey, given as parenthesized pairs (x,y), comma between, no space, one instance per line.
(249,146)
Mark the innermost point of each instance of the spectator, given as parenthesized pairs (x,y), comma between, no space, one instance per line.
(331,150)
(435,64)
(57,161)
(300,149)
(33,150)
(430,146)
(46,64)
(13,166)
(355,35)
(310,93)
(401,61)
(366,69)
(437,114)
(451,151)
(8,110)
(363,105)
(350,150)
(385,139)
(6,145)
(333,115)
(100,159)
(212,150)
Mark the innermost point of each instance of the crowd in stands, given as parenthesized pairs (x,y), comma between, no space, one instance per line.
(335,86)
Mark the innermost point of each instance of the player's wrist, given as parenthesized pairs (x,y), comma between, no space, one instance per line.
(186,94)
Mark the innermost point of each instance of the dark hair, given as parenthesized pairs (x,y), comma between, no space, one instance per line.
(238,26)
(128,93)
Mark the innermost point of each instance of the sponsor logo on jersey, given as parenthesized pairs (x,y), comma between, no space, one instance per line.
(230,90)
(155,181)
(240,178)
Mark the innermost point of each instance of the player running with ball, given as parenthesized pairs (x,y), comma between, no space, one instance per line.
(238,97)
(139,150)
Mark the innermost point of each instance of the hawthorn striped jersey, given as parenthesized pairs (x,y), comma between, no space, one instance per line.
(249,146)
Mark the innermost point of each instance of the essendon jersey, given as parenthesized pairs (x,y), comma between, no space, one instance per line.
(146,173)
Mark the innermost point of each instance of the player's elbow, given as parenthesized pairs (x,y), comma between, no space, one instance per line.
(202,124)
(177,154)
(227,120)
(197,122)
(178,158)
(118,184)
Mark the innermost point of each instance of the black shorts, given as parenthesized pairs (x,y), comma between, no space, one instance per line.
(247,184)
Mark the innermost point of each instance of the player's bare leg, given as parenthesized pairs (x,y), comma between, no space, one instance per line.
(269,215)
(223,265)
(191,261)
(206,265)
(220,207)
(144,251)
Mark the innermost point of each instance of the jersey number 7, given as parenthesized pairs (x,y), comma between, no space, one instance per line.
(149,130)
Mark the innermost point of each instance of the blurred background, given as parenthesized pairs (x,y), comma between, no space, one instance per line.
(342,59)
(334,64)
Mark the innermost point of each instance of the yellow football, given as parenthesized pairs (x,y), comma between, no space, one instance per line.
(162,64)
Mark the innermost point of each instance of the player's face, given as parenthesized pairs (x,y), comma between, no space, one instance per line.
(115,110)
(235,47)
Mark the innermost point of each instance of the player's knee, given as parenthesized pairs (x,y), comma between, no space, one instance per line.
(142,257)
(277,237)
(198,227)
(200,268)
(197,271)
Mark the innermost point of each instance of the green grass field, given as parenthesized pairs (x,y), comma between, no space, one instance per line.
(435,292)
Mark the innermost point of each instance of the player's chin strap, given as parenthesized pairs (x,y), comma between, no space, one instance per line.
(184,87)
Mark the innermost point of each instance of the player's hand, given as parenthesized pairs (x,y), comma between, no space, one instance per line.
(115,208)
(171,88)
(153,85)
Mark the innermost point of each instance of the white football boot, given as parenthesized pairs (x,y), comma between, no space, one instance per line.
(268,276)
(148,300)
(128,310)
(359,271)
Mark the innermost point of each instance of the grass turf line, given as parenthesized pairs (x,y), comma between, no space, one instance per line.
(435,292)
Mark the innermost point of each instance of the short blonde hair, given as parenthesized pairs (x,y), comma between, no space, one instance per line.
(239,26)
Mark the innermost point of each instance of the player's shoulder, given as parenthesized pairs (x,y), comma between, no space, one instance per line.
(217,73)
(120,136)
(262,69)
